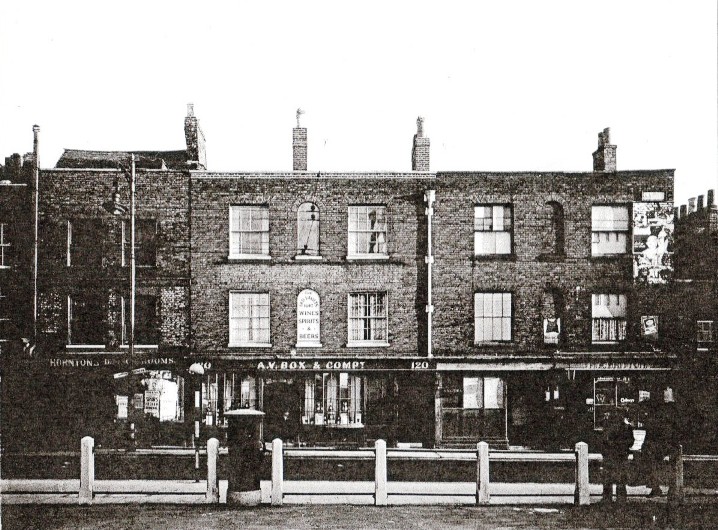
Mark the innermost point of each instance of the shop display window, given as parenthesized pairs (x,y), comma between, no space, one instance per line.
(239,392)
(159,394)
(473,406)
(334,399)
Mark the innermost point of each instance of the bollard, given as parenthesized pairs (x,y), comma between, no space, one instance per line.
(87,470)
(482,473)
(212,483)
(582,494)
(380,473)
(277,472)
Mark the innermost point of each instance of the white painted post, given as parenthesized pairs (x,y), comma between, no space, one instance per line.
(277,472)
(582,494)
(87,470)
(380,474)
(212,483)
(482,473)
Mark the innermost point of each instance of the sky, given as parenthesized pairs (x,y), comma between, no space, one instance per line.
(511,85)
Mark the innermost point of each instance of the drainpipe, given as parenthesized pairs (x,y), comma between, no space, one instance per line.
(36,178)
(429,198)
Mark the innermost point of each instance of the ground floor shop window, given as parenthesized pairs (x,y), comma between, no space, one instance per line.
(158,394)
(333,398)
(473,407)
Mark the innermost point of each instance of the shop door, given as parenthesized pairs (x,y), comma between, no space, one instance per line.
(415,401)
(279,398)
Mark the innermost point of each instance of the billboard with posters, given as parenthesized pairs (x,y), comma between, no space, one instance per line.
(652,242)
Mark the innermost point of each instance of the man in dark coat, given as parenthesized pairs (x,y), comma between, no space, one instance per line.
(617,442)
(662,439)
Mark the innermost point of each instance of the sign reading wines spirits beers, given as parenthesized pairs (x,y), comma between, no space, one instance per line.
(308,319)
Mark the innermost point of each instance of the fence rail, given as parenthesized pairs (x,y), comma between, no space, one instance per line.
(380,492)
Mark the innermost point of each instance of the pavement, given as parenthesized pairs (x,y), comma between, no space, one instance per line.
(644,515)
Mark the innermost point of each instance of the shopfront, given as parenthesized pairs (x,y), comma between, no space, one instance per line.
(325,402)
(548,407)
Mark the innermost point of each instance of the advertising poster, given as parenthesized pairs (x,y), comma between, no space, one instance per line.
(652,242)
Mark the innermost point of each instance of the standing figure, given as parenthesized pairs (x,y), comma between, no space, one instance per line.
(662,439)
(617,442)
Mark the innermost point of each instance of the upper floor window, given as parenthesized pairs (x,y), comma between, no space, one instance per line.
(492,317)
(146,321)
(368,318)
(704,334)
(4,247)
(367,231)
(248,319)
(145,242)
(608,315)
(85,314)
(84,243)
(609,230)
(492,229)
(308,230)
(248,231)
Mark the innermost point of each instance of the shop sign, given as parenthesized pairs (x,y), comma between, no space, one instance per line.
(91,361)
(345,365)
(308,319)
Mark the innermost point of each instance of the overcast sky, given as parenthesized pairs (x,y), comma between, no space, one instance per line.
(503,85)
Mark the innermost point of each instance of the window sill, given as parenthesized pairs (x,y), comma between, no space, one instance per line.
(249,257)
(85,346)
(368,344)
(250,345)
(607,342)
(302,257)
(611,256)
(494,257)
(367,257)
(493,343)
(145,346)
(4,266)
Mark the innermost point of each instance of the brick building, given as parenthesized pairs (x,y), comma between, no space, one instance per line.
(421,307)
(695,299)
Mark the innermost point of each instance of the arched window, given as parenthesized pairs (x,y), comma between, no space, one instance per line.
(557,230)
(551,310)
(308,229)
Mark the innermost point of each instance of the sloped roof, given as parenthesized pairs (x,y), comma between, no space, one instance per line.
(81,159)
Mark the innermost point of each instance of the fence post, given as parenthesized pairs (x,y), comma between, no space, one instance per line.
(87,470)
(380,473)
(212,483)
(277,472)
(582,494)
(677,491)
(482,473)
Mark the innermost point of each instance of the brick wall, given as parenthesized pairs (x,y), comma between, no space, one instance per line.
(80,194)
(530,270)
(333,278)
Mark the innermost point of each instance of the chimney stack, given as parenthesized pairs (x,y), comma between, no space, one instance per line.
(691,205)
(684,211)
(194,137)
(420,149)
(604,158)
(700,201)
(711,199)
(299,145)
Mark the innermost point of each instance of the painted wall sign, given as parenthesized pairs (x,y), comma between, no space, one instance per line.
(308,319)
(652,242)
(97,360)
